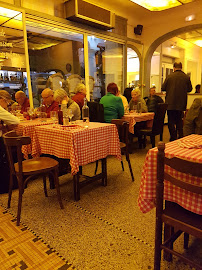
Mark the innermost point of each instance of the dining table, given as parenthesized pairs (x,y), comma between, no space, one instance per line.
(135,117)
(81,144)
(190,148)
(27,128)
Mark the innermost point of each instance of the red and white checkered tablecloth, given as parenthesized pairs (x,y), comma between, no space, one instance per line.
(80,145)
(27,128)
(179,148)
(133,118)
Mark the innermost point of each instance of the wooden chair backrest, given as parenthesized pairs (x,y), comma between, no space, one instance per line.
(123,129)
(96,111)
(12,142)
(159,116)
(181,165)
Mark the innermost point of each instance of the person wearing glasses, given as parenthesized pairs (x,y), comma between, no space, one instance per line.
(48,101)
(22,100)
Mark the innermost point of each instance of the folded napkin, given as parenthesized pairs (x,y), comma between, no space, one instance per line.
(186,143)
(68,127)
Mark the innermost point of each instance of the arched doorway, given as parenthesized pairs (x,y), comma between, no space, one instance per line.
(154,48)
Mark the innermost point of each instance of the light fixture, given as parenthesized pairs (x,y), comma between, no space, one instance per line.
(158,5)
(198,42)
(9,13)
(190,18)
(173,45)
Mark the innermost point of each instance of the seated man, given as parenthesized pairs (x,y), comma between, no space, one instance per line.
(48,101)
(113,106)
(193,120)
(60,95)
(136,98)
(22,100)
(80,91)
(153,100)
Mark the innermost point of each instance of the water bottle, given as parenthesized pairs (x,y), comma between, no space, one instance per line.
(60,115)
(85,112)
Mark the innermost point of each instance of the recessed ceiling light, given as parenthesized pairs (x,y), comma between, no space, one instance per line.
(190,18)
(158,5)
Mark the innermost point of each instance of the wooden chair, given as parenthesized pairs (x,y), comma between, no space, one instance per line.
(27,169)
(123,130)
(72,82)
(96,112)
(175,217)
(157,127)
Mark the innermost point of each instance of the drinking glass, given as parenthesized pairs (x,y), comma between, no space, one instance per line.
(30,112)
(54,116)
(43,117)
(70,114)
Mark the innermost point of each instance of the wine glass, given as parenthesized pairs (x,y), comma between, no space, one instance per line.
(30,112)
(53,116)
(70,114)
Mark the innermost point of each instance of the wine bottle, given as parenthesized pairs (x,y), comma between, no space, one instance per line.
(85,111)
(60,115)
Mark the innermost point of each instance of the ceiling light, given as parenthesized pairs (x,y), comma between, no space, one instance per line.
(173,45)
(9,13)
(190,18)
(158,5)
(198,42)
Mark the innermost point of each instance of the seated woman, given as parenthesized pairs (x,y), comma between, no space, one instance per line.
(113,106)
(80,94)
(7,122)
(60,96)
(193,120)
(136,98)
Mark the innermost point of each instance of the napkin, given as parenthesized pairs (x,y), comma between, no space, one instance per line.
(186,143)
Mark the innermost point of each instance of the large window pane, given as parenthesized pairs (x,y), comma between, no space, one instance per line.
(56,58)
(12,53)
(105,65)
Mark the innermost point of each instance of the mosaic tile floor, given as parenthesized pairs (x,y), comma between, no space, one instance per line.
(21,249)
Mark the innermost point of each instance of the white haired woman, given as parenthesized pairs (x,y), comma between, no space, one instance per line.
(80,94)
(60,95)
(136,97)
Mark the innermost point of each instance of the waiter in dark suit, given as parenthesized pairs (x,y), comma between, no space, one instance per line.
(176,85)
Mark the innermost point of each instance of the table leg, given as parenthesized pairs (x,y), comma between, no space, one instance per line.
(76,187)
(104,172)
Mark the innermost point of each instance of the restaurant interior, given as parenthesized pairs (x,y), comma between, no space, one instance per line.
(41,45)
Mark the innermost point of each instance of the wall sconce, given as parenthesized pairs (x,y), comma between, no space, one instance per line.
(173,45)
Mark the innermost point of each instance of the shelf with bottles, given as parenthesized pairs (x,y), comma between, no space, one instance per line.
(10,76)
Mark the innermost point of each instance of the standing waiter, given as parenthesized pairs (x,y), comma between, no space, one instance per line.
(176,86)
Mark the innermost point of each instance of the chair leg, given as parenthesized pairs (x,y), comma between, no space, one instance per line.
(130,168)
(96,166)
(140,142)
(122,165)
(10,190)
(104,172)
(152,141)
(56,180)
(186,240)
(44,186)
(144,141)
(19,202)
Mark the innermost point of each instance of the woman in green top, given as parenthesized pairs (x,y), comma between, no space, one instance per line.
(113,106)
